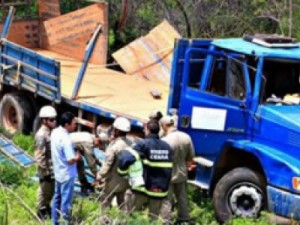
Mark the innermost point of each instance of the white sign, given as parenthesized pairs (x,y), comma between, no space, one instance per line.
(208,118)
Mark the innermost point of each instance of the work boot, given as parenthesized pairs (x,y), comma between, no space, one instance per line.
(86,189)
(42,213)
(90,187)
(48,212)
(83,190)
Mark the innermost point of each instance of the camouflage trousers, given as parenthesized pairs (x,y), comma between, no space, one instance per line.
(45,193)
(177,191)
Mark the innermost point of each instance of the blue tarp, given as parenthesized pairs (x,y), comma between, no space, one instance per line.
(100,156)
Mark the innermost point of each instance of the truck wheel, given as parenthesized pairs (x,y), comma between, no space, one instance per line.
(240,192)
(16,113)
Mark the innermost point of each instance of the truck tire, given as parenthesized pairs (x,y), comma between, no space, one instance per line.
(240,192)
(16,113)
(36,124)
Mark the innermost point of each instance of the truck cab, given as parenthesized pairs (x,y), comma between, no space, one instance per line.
(239,100)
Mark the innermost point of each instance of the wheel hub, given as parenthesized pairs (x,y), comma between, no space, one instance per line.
(245,201)
(10,119)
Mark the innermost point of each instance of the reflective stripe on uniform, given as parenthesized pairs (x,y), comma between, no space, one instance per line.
(157,194)
(122,172)
(136,156)
(134,153)
(158,164)
(150,193)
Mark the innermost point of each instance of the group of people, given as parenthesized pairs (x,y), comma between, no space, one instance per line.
(137,172)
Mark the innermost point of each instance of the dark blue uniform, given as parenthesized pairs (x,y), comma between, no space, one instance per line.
(157,171)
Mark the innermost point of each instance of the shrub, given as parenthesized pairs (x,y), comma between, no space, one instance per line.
(263,220)
(11,174)
(25,142)
(18,204)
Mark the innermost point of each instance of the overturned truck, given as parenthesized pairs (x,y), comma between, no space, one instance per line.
(237,98)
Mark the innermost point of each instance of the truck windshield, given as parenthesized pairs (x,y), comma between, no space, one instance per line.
(281,84)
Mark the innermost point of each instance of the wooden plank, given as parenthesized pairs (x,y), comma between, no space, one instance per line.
(25,33)
(142,61)
(150,56)
(48,9)
(70,33)
(73,25)
(111,90)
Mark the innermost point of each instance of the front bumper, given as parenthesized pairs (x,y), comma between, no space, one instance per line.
(283,203)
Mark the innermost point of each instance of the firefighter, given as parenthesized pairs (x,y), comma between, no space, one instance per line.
(157,115)
(104,133)
(47,115)
(84,142)
(114,184)
(183,153)
(157,170)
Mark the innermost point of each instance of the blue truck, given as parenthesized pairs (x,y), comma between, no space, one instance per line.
(237,98)
(239,101)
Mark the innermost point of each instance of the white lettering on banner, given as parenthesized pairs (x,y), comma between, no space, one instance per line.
(208,118)
(159,154)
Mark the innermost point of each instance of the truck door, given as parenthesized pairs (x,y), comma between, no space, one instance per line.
(214,110)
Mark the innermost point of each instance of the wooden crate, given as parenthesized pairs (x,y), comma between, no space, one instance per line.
(69,34)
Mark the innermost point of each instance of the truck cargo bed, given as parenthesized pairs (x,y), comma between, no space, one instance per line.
(109,90)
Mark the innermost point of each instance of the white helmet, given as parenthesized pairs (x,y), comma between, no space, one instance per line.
(102,132)
(122,124)
(47,112)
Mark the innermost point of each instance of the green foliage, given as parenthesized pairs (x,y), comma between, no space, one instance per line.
(27,11)
(201,207)
(11,174)
(141,218)
(5,132)
(263,220)
(85,210)
(18,204)
(71,5)
(18,201)
(3,207)
(25,142)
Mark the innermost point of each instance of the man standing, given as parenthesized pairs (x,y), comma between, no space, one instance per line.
(114,184)
(42,154)
(65,168)
(104,133)
(157,170)
(157,115)
(183,153)
(84,142)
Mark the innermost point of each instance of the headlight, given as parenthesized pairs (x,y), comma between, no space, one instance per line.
(296,183)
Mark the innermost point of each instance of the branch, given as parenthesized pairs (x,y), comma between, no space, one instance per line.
(123,15)
(187,22)
(290,17)
(273,18)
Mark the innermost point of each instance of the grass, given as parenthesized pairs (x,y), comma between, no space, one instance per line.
(18,201)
